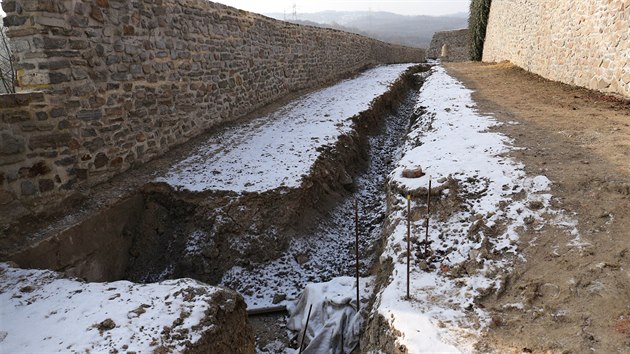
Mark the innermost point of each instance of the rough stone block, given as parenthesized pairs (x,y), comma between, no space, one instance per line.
(14,20)
(78,44)
(58,77)
(15,116)
(57,112)
(66,161)
(94,145)
(32,79)
(52,22)
(9,6)
(38,169)
(78,21)
(90,114)
(41,116)
(100,160)
(62,53)
(10,144)
(54,64)
(49,141)
(46,185)
(96,13)
(54,43)
(15,100)
(28,188)
(79,74)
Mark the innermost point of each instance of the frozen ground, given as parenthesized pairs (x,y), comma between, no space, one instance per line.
(472,244)
(45,313)
(329,251)
(41,311)
(277,150)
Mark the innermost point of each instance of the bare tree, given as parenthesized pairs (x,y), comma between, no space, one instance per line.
(7,64)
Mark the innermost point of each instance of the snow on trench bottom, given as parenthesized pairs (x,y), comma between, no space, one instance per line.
(334,325)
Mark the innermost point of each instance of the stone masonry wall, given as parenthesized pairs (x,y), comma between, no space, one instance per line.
(582,43)
(457,42)
(106,84)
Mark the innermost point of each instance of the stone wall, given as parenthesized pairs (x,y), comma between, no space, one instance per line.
(582,43)
(458,43)
(119,82)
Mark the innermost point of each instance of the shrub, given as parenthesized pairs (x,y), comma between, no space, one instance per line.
(477,23)
(7,64)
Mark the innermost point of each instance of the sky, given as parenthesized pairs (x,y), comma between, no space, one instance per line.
(403,7)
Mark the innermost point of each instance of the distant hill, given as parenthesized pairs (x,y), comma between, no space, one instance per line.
(414,31)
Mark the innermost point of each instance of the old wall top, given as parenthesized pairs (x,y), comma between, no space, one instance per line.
(457,42)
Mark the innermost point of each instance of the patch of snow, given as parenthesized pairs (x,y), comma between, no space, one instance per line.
(43,312)
(278,149)
(328,251)
(450,140)
(195,242)
(538,184)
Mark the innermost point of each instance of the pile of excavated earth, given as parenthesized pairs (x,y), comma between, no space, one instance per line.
(480,224)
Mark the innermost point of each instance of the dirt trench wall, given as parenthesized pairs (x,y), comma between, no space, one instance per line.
(121,82)
(582,43)
(202,235)
(96,249)
(458,43)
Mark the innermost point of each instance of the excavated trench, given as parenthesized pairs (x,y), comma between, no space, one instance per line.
(203,235)
(162,233)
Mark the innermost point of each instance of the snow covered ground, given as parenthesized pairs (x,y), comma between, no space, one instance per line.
(470,249)
(42,312)
(328,251)
(278,149)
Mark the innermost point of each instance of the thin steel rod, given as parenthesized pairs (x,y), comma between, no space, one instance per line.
(356,248)
(305,328)
(426,236)
(408,240)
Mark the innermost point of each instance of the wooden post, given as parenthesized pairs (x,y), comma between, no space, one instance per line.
(305,327)
(426,236)
(356,248)
(408,241)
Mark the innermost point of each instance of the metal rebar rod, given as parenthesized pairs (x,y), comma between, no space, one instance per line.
(356,248)
(426,236)
(408,240)
(305,328)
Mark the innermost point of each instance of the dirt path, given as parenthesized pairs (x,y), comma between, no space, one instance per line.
(565,297)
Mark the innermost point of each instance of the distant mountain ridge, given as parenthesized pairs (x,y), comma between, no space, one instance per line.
(414,31)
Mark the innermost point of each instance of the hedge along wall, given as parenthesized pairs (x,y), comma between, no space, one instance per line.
(583,43)
(123,81)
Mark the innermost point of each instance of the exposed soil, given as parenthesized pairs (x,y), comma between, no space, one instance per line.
(21,228)
(576,297)
(202,235)
(327,251)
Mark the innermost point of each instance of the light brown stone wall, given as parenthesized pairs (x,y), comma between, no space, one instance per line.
(457,42)
(578,42)
(121,82)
